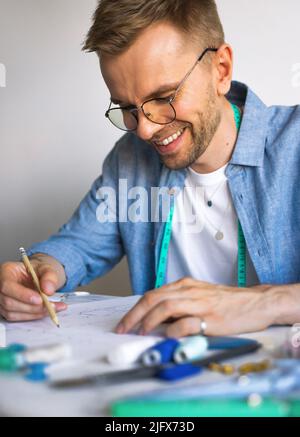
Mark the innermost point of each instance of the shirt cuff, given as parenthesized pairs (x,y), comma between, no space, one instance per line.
(71,261)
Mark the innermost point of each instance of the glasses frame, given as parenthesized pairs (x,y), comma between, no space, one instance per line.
(168,100)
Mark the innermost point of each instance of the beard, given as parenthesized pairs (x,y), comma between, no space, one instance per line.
(202,134)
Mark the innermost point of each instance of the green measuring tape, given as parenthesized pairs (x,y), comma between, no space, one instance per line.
(163,257)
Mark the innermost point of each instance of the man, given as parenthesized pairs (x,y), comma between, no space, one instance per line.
(217,154)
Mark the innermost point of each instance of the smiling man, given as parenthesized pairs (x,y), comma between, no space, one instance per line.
(220,168)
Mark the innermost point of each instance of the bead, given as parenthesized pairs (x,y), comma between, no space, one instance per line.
(215,367)
(219,236)
(209,203)
(228,369)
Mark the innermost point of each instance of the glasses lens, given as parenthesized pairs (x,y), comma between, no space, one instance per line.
(159,111)
(123,119)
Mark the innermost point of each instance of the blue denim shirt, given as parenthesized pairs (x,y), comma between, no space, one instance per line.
(263,177)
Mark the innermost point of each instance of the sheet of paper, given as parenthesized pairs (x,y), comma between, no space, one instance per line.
(88,328)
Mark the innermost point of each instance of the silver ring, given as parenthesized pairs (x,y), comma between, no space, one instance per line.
(203,326)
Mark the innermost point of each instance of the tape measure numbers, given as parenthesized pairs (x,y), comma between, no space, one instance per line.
(163,258)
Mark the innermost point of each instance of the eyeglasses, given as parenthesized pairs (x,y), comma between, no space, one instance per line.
(158,110)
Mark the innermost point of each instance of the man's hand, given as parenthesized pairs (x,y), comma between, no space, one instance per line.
(226,310)
(19,301)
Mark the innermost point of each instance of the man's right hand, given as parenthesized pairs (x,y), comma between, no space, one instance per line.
(19,301)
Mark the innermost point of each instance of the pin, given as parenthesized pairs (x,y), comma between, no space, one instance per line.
(226,369)
(258,367)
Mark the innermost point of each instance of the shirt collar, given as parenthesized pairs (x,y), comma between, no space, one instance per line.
(250,145)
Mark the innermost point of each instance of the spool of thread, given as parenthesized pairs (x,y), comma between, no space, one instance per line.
(36,372)
(130,352)
(291,346)
(190,349)
(18,356)
(161,353)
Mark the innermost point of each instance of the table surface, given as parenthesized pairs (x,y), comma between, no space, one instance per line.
(19,397)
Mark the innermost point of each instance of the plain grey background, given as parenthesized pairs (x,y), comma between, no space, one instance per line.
(53,135)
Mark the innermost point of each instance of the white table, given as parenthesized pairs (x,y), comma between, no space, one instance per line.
(19,397)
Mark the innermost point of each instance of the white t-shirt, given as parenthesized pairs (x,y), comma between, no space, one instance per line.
(194,250)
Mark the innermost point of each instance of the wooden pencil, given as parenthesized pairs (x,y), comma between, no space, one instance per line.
(36,282)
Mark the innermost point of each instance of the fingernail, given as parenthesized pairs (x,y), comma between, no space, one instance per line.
(36,300)
(49,287)
(120,328)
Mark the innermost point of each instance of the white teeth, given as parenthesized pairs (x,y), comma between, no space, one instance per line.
(172,138)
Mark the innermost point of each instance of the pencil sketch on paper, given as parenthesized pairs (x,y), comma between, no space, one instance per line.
(89,327)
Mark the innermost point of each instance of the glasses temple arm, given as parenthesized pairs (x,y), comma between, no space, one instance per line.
(209,49)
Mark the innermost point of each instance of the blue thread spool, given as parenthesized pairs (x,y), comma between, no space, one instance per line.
(36,372)
(191,349)
(161,353)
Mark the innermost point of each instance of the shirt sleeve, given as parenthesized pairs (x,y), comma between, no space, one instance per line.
(86,247)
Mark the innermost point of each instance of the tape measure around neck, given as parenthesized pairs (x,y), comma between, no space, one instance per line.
(163,257)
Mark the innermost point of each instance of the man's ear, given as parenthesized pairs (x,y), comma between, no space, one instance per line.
(223,68)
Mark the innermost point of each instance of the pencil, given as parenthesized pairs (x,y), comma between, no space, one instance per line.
(36,282)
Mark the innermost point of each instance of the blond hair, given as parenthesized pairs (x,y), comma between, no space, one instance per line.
(118,23)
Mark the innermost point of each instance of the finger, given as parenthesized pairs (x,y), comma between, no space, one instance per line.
(178,285)
(60,306)
(15,316)
(12,316)
(149,301)
(49,280)
(174,308)
(22,294)
(12,305)
(153,297)
(184,327)
(141,308)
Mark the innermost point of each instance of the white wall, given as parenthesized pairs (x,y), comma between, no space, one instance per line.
(53,136)
(265,36)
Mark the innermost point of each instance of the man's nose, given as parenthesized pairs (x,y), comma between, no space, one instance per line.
(146,129)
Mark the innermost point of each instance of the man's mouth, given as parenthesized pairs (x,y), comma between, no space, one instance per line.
(171,143)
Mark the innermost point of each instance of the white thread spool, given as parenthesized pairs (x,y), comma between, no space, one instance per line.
(190,349)
(47,354)
(129,352)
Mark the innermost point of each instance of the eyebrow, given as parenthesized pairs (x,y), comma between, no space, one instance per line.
(162,89)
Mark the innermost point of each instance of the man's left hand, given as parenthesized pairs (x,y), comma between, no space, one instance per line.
(225,310)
